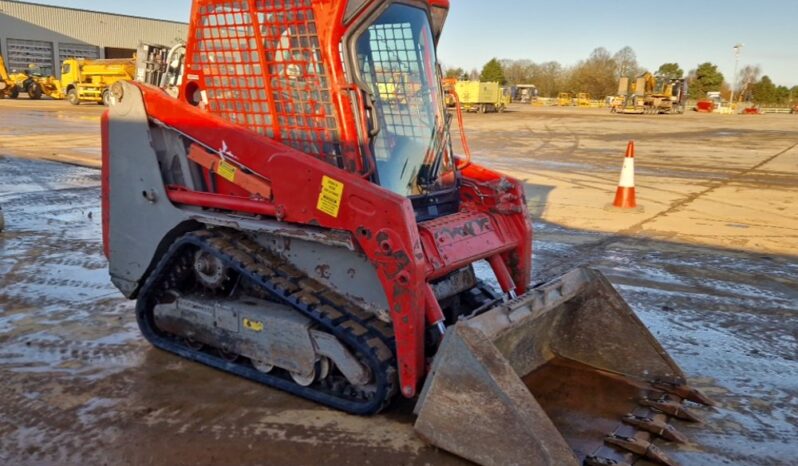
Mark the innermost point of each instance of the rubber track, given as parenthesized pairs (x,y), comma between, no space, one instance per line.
(369,338)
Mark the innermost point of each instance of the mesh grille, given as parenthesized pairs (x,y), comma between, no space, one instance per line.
(397,70)
(263,69)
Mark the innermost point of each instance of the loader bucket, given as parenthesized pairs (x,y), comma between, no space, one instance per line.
(563,375)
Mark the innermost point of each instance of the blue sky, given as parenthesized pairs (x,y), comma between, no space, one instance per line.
(685,31)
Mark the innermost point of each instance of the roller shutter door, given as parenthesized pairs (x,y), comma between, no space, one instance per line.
(22,53)
(115,52)
(77,51)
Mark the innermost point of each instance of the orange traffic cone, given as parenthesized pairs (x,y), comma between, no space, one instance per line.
(625,195)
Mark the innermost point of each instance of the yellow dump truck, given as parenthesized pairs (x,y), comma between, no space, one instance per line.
(482,97)
(91,80)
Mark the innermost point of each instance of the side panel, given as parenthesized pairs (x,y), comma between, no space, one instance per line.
(137,212)
(138,159)
(348,272)
(308,191)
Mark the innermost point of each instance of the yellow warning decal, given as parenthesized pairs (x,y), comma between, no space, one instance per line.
(227,171)
(330,196)
(253,325)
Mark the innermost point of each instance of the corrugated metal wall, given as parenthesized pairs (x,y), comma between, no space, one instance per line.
(32,22)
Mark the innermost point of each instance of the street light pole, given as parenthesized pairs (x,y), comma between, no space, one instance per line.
(737,49)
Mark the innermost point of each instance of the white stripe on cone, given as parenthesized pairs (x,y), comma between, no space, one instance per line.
(627,173)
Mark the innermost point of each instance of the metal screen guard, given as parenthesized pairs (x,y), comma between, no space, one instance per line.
(263,70)
(396,60)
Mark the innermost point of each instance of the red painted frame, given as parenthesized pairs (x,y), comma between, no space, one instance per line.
(493,221)
(405,254)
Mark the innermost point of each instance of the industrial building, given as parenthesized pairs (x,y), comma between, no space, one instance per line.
(44,35)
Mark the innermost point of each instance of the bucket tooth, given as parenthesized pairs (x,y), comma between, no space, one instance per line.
(641,447)
(600,461)
(671,408)
(686,392)
(657,427)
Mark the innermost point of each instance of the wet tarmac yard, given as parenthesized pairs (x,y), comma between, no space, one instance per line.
(710,265)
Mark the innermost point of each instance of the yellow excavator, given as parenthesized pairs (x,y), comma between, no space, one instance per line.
(8,88)
(35,81)
(38,82)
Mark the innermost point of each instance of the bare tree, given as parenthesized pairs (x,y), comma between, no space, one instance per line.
(517,71)
(745,81)
(626,62)
(596,75)
(548,77)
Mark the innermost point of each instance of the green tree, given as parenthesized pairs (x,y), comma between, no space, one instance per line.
(765,92)
(455,73)
(670,71)
(493,72)
(782,95)
(705,78)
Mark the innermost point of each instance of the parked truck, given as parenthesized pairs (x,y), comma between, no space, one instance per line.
(525,93)
(476,96)
(91,80)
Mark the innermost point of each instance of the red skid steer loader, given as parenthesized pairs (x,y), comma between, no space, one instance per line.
(298,217)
